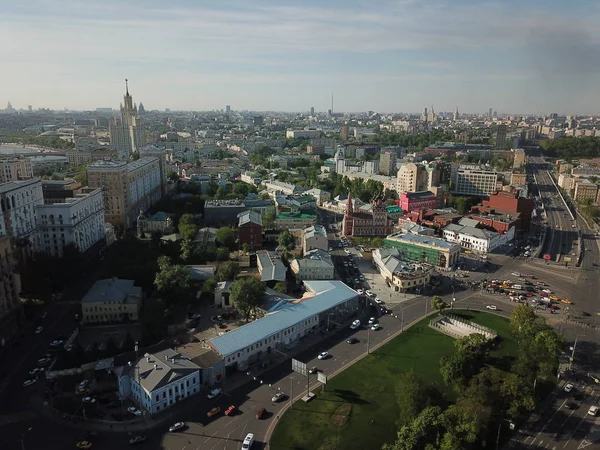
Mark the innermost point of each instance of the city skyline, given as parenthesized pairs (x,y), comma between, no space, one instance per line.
(402,56)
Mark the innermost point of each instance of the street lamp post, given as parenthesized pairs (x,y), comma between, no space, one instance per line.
(23,437)
(368,338)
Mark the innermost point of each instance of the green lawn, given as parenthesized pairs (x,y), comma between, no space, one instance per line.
(369,386)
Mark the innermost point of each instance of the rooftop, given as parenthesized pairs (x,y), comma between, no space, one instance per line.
(113,290)
(249,217)
(271,267)
(12,185)
(420,240)
(325,295)
(292,215)
(315,230)
(161,369)
(134,165)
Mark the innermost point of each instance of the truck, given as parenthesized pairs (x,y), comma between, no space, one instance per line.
(545,301)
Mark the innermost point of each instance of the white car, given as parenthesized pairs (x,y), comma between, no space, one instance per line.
(28,383)
(176,426)
(372,320)
(568,387)
(133,410)
(38,330)
(492,307)
(375,327)
(56,343)
(547,291)
(248,441)
(593,410)
(347,251)
(515,274)
(371,294)
(323,355)
(277,397)
(84,384)
(214,393)
(44,361)
(360,292)
(355,324)
(92,400)
(36,371)
(378,300)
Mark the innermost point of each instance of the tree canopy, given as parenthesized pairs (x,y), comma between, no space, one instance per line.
(228,271)
(226,237)
(246,294)
(570,148)
(173,282)
(187,227)
(286,240)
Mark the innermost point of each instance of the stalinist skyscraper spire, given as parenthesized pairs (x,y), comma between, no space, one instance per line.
(126,133)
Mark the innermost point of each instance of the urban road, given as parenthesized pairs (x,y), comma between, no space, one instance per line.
(556,427)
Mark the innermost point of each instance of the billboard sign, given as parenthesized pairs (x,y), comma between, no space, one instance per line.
(321,378)
(299,367)
(547,256)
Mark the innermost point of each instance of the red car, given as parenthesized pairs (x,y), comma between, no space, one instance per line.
(261,412)
(229,411)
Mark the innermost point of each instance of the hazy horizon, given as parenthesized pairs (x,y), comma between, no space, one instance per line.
(391,56)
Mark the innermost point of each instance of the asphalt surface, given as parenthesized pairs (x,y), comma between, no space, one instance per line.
(555,427)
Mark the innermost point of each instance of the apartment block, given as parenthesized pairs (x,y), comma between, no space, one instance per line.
(77,220)
(519,158)
(127,188)
(14,169)
(408,179)
(10,286)
(19,200)
(585,190)
(566,181)
(475,182)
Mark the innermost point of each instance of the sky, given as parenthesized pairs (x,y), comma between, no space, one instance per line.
(526,56)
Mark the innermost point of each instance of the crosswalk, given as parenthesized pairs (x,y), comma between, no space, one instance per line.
(8,419)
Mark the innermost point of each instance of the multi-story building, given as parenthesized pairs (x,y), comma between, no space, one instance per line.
(344,133)
(409,176)
(371,167)
(294,220)
(508,203)
(250,229)
(127,134)
(315,149)
(476,239)
(112,301)
(566,181)
(403,276)
(77,221)
(316,265)
(519,158)
(387,162)
(430,250)
(270,267)
(160,380)
(251,178)
(18,215)
(55,191)
(475,182)
(10,286)
(501,137)
(76,156)
(314,237)
(286,325)
(367,223)
(15,169)
(414,201)
(165,162)
(565,168)
(584,190)
(127,188)
(518,178)
(319,195)
(279,187)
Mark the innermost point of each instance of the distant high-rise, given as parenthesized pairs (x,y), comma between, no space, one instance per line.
(227,109)
(490,112)
(455,117)
(344,131)
(424,115)
(501,137)
(127,134)
(387,163)
(431,117)
(29,108)
(312,110)
(141,109)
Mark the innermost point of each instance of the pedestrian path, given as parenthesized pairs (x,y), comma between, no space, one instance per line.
(8,419)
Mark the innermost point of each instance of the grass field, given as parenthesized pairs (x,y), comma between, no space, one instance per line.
(366,391)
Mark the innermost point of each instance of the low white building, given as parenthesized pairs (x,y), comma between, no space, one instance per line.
(159,381)
(316,265)
(78,221)
(319,195)
(401,275)
(270,266)
(314,237)
(477,240)
(275,186)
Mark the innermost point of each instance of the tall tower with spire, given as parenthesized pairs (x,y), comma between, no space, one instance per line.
(456,116)
(126,133)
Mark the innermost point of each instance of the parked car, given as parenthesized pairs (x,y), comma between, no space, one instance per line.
(28,383)
(36,371)
(85,445)
(260,413)
(569,387)
(593,410)
(355,324)
(137,440)
(378,301)
(230,411)
(352,341)
(56,343)
(133,410)
(38,330)
(214,393)
(323,355)
(213,412)
(572,406)
(92,400)
(277,397)
(44,361)
(492,307)
(313,370)
(375,327)
(176,426)
(372,320)
(566,301)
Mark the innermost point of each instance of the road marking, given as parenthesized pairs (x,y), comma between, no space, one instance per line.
(549,421)
(210,437)
(584,444)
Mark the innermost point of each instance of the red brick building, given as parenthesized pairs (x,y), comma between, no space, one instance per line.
(250,229)
(414,201)
(367,223)
(508,203)
(497,222)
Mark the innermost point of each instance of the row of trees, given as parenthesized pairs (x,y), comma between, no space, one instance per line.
(488,390)
(570,148)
